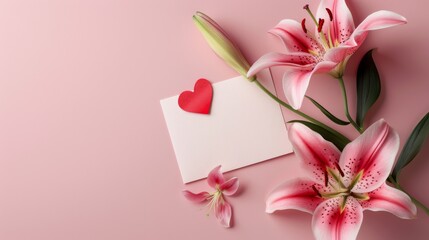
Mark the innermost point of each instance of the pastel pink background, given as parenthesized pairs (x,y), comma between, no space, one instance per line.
(84,149)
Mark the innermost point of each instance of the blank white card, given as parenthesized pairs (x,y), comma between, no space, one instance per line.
(245,126)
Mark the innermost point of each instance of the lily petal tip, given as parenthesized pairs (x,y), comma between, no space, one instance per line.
(269,210)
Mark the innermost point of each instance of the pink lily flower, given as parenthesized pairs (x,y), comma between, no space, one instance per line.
(342,185)
(217,202)
(334,40)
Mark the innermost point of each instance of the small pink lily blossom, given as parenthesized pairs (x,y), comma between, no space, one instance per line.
(342,185)
(217,202)
(327,49)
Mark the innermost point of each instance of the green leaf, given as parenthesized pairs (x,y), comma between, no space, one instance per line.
(327,113)
(368,87)
(339,141)
(412,146)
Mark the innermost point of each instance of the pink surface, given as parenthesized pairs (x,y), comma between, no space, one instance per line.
(84,150)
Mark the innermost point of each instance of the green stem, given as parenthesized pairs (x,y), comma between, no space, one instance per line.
(415,201)
(311,119)
(346,105)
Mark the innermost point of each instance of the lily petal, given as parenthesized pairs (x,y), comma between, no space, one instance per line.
(331,223)
(342,25)
(372,155)
(386,198)
(223,212)
(296,81)
(215,177)
(229,187)
(299,60)
(292,35)
(316,153)
(196,197)
(378,20)
(295,194)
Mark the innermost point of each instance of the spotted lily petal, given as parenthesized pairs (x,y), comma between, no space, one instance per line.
(196,197)
(299,194)
(342,25)
(378,20)
(229,187)
(298,60)
(337,219)
(316,153)
(223,213)
(296,81)
(292,36)
(392,200)
(215,177)
(368,160)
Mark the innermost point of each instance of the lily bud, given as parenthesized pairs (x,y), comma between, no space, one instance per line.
(221,44)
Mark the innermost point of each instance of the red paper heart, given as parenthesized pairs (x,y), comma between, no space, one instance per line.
(198,101)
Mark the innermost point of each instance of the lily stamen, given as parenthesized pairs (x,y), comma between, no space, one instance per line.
(316,191)
(320,26)
(210,205)
(337,179)
(326,178)
(325,43)
(331,19)
(307,8)
(331,44)
(331,16)
(339,169)
(303,26)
